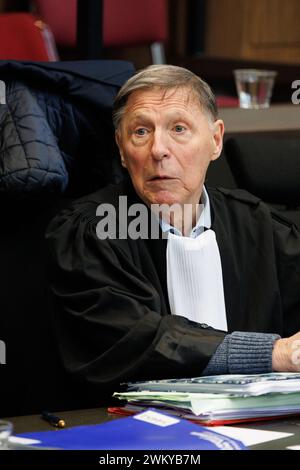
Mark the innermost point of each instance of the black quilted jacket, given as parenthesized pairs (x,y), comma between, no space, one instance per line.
(55,125)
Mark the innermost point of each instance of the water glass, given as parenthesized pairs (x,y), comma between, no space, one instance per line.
(254,87)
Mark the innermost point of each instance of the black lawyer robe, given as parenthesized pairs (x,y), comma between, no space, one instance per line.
(112,314)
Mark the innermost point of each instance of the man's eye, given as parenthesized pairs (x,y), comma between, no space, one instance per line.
(141,131)
(179,129)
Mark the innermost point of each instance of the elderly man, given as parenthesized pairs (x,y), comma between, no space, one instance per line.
(213,293)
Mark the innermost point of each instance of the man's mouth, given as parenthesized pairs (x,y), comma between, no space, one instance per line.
(161,178)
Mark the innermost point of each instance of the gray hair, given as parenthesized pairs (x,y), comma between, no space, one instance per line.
(165,77)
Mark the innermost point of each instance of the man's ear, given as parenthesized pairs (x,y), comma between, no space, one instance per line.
(119,144)
(218,133)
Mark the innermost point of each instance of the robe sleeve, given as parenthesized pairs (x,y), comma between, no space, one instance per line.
(287,253)
(107,319)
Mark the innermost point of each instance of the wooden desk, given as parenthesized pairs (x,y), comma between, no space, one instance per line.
(99,415)
(279,119)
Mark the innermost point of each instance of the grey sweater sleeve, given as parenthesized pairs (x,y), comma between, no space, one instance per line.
(243,353)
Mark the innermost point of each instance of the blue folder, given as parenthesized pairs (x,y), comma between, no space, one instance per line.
(149,430)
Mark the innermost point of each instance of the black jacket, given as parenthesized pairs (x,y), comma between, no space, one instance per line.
(56,126)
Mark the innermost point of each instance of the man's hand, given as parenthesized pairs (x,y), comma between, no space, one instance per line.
(286,354)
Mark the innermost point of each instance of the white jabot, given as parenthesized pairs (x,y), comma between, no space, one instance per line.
(194,273)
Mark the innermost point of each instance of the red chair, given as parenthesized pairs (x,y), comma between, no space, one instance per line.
(125,23)
(25,37)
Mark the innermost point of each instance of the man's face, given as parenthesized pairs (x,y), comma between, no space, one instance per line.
(166,143)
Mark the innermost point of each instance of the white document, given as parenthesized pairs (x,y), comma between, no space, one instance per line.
(22,440)
(250,437)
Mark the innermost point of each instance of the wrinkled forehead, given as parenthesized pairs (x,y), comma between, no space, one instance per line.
(156,99)
(185,95)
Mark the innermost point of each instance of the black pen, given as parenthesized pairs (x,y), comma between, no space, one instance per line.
(53,420)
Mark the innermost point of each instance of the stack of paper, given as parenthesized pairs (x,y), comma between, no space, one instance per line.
(215,399)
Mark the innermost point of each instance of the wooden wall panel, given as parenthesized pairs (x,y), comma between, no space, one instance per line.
(224,30)
(2,5)
(266,30)
(275,23)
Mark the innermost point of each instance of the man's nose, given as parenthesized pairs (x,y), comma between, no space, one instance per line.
(159,148)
